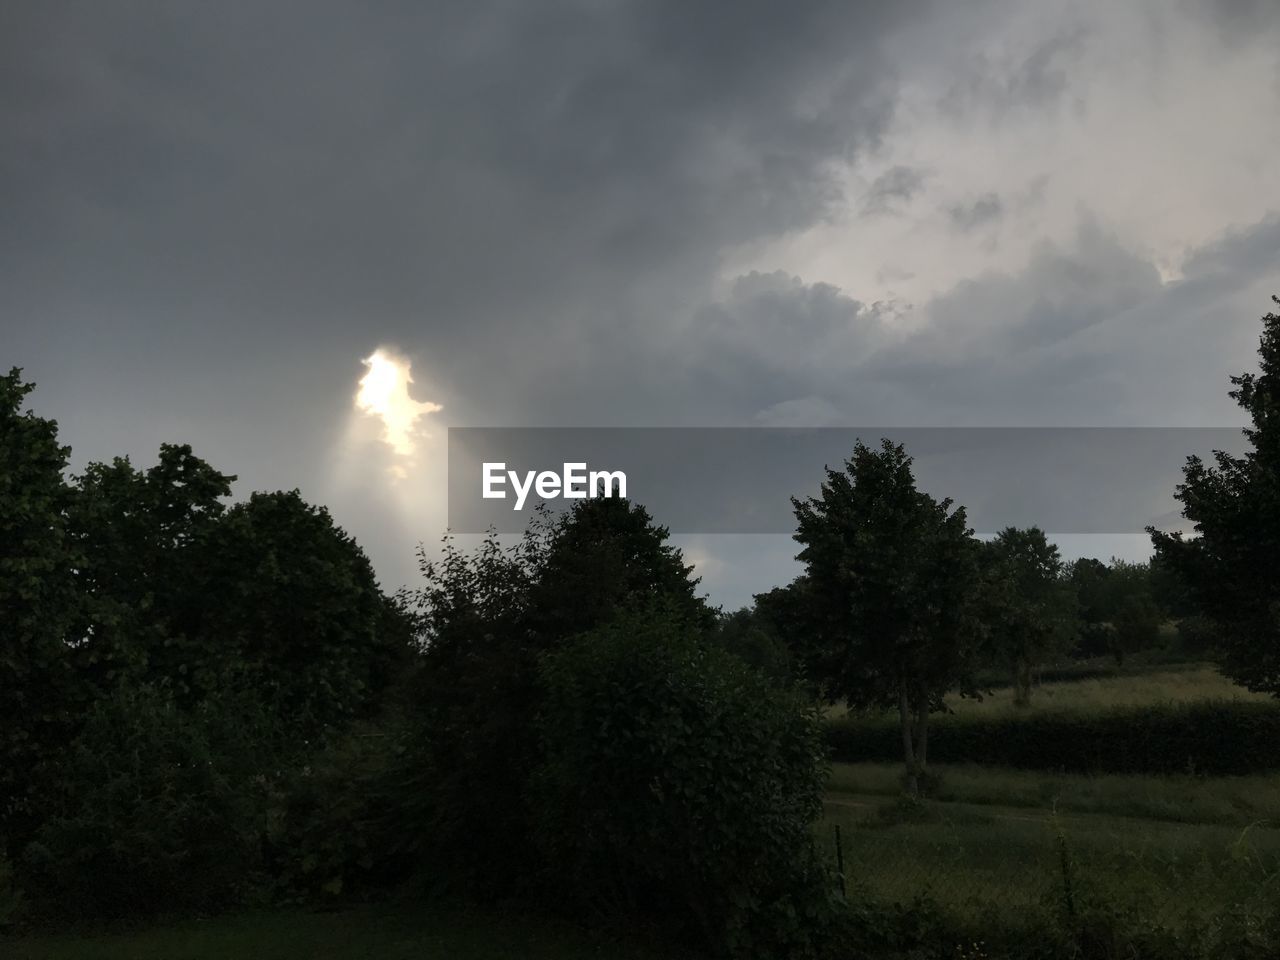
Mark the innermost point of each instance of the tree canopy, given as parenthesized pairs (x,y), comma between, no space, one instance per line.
(38,595)
(1031,606)
(1229,565)
(892,583)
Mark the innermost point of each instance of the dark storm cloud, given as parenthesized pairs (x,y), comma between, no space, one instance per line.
(774,337)
(245,183)
(1086,334)
(212,211)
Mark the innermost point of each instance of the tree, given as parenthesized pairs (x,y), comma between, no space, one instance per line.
(1229,566)
(470,750)
(752,639)
(39,697)
(607,555)
(1033,607)
(281,599)
(133,528)
(893,582)
(783,612)
(1118,610)
(487,618)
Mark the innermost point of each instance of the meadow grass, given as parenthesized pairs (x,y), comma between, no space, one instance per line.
(1096,694)
(988,843)
(1226,801)
(381,933)
(985,861)
(1184,683)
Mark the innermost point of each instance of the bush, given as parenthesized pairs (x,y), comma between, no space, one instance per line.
(1214,738)
(1198,635)
(11,900)
(334,831)
(153,810)
(678,783)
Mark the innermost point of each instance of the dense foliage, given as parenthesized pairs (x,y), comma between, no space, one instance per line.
(486,619)
(39,693)
(154,809)
(678,784)
(280,597)
(1229,567)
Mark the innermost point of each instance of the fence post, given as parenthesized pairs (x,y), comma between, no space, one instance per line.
(840,864)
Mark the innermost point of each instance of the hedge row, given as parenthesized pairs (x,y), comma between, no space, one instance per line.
(1214,738)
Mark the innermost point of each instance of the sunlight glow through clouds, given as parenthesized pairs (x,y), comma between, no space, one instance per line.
(384,393)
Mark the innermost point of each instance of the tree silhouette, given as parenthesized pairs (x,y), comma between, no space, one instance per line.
(1230,567)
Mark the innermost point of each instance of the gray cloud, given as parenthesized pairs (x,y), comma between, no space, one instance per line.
(212,212)
(892,188)
(1035,80)
(983,210)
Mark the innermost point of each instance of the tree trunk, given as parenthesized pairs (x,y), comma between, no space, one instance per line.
(1021,682)
(908,747)
(922,738)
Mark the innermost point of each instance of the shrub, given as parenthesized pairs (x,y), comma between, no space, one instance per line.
(1215,738)
(153,810)
(678,783)
(334,831)
(11,900)
(1198,635)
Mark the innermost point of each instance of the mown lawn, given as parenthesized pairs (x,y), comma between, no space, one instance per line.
(381,933)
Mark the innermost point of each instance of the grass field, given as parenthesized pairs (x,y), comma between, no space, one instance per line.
(419,933)
(1106,693)
(1133,688)
(992,840)
(1225,801)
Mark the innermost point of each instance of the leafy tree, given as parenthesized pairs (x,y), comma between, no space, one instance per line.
(39,697)
(1032,611)
(486,618)
(1118,610)
(605,555)
(893,585)
(784,612)
(1229,567)
(1089,578)
(133,528)
(470,747)
(751,638)
(680,785)
(280,598)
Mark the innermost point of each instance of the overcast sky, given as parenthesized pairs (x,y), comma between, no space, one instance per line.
(625,212)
